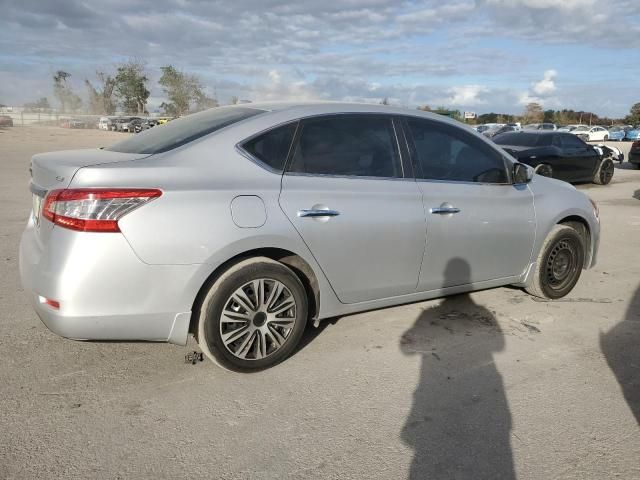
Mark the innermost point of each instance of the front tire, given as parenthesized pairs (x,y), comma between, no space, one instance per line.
(604,172)
(559,264)
(253,316)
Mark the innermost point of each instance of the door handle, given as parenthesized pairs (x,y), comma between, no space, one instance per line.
(444,210)
(317,212)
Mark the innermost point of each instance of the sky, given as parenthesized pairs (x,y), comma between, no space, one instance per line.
(470,55)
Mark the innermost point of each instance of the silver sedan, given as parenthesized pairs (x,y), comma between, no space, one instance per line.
(240,225)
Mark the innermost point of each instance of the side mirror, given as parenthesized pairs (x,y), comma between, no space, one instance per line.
(522,173)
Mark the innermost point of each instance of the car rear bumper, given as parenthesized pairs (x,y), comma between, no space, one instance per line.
(104,291)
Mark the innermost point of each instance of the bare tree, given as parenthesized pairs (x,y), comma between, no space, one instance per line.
(63,92)
(101,99)
(533,113)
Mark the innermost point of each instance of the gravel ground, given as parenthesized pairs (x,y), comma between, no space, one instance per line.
(492,385)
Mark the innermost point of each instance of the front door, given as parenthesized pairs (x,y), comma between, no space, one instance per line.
(346,193)
(580,157)
(480,227)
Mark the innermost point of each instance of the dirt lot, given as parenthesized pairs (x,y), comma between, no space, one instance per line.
(496,384)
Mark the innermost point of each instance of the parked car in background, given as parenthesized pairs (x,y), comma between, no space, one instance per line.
(633,133)
(77,123)
(617,133)
(149,123)
(493,131)
(569,128)
(591,134)
(123,124)
(6,121)
(634,154)
(135,125)
(558,155)
(540,126)
(104,123)
(291,219)
(113,126)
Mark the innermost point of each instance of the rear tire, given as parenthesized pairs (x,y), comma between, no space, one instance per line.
(559,263)
(254,333)
(604,172)
(545,170)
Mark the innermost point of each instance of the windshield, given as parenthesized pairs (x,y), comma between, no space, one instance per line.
(183,130)
(521,139)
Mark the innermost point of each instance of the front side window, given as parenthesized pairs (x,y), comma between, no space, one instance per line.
(347,145)
(272,147)
(444,152)
(571,141)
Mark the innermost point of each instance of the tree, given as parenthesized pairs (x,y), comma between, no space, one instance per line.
(548,116)
(184,92)
(533,113)
(234,100)
(634,115)
(131,87)
(38,106)
(101,99)
(63,92)
(385,101)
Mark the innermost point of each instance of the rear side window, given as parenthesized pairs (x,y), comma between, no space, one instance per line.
(272,147)
(183,130)
(444,152)
(349,145)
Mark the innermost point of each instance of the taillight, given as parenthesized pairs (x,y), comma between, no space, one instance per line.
(94,209)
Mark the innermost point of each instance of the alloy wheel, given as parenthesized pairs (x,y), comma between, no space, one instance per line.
(606,172)
(257,319)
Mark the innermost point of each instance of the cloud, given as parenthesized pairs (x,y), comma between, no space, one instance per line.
(458,53)
(467,96)
(546,86)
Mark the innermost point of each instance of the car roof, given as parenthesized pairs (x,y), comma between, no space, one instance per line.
(303,109)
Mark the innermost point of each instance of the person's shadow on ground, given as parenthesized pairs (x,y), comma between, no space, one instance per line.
(460,424)
(621,348)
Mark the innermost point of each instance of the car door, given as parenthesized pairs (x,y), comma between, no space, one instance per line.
(356,205)
(480,226)
(567,166)
(581,157)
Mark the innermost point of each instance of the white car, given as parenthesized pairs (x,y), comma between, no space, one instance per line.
(591,134)
(104,123)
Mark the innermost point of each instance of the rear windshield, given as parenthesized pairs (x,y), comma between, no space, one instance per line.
(522,139)
(183,130)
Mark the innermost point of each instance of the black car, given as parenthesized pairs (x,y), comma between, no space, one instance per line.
(559,155)
(634,154)
(135,125)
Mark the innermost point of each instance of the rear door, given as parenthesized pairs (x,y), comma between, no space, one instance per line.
(480,226)
(353,201)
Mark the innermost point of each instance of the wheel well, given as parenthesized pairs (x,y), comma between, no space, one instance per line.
(582,227)
(296,263)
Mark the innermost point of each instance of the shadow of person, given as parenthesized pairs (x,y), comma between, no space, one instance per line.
(621,348)
(460,424)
